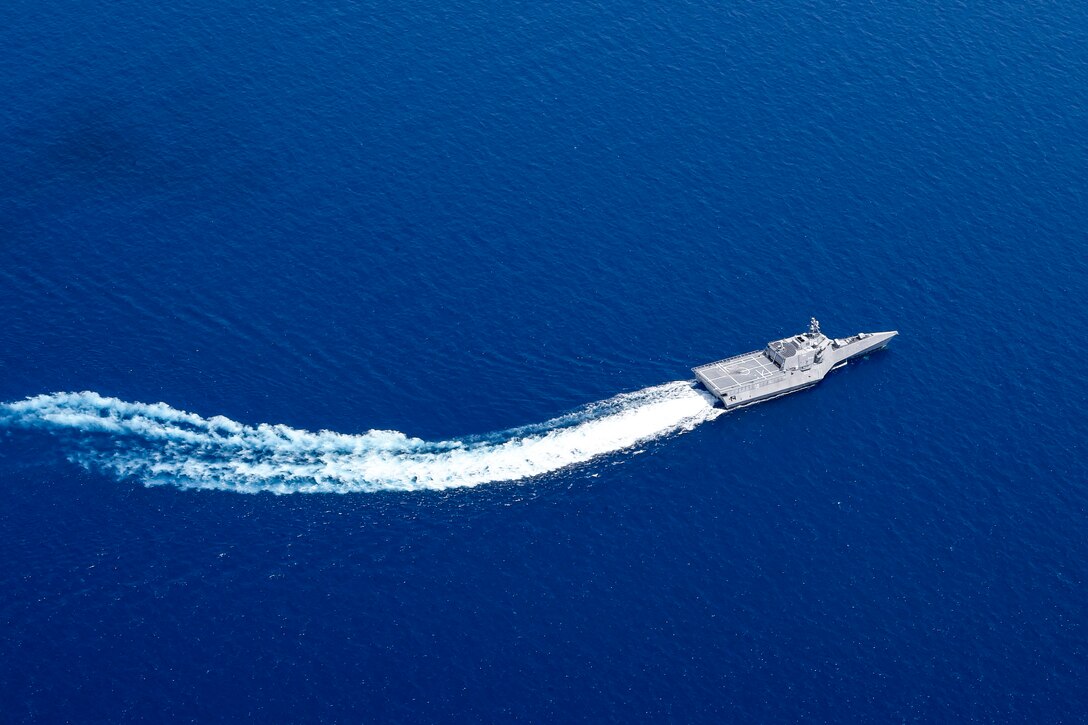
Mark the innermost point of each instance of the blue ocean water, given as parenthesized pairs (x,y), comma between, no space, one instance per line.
(437,272)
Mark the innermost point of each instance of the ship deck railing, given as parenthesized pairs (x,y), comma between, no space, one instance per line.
(720,380)
(745,387)
(729,359)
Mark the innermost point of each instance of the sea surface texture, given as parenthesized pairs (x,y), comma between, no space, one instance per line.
(345,356)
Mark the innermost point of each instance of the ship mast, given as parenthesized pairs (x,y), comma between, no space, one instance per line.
(813,326)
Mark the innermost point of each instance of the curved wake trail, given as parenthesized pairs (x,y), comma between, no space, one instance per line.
(158,444)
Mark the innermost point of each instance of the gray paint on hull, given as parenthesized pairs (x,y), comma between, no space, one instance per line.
(784,366)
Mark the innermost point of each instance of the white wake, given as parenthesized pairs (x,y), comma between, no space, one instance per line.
(158,444)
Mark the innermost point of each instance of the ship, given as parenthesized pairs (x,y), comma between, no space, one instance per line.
(785,366)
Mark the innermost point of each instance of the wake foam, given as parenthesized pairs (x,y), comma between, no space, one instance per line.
(158,444)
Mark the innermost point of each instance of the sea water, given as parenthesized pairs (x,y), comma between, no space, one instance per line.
(346,346)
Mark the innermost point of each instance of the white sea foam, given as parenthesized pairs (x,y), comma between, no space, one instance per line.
(158,444)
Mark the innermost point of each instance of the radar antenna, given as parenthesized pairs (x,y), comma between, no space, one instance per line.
(814,326)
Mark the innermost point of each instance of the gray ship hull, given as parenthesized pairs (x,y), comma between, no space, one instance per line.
(784,366)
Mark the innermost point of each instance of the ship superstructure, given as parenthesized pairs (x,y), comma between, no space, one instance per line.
(785,365)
